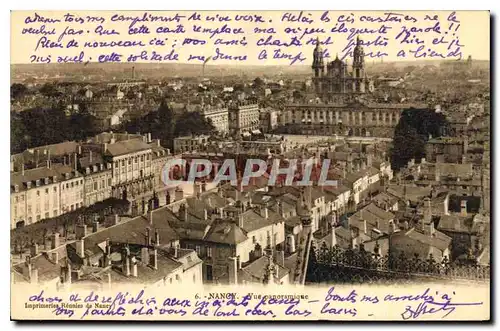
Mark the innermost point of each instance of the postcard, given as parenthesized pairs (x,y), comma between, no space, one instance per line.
(250,165)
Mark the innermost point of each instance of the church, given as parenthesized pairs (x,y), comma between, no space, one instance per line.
(343,103)
(338,80)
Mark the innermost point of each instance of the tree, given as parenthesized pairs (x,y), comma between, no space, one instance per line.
(412,133)
(193,123)
(258,82)
(18,90)
(82,125)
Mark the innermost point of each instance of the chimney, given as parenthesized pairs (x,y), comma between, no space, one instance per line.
(427,210)
(33,275)
(145,255)
(176,251)
(240,220)
(157,238)
(90,157)
(233,271)
(104,147)
(154,263)
(463,208)
(279,257)
(291,243)
(34,251)
(150,217)
(107,260)
(79,149)
(264,212)
(365,228)
(205,214)
(392,227)
(95,226)
(68,273)
(431,229)
(55,257)
(148,237)
(81,231)
(126,261)
(116,219)
(133,262)
(406,225)
(333,240)
(446,205)
(76,163)
(80,248)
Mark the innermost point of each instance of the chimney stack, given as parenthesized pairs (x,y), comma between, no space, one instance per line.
(233,271)
(333,240)
(365,227)
(133,262)
(126,261)
(34,251)
(116,219)
(240,220)
(264,212)
(157,238)
(81,231)
(154,263)
(55,257)
(150,217)
(95,226)
(145,255)
(148,237)
(431,229)
(279,257)
(463,208)
(291,243)
(80,247)
(427,210)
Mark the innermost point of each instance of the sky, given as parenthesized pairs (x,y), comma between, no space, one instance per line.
(246,38)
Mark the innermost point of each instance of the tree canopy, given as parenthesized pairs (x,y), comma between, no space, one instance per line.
(412,133)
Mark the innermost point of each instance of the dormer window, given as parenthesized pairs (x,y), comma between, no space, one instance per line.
(28,185)
(87,170)
(94,168)
(54,179)
(46,180)
(16,188)
(101,166)
(66,175)
(38,182)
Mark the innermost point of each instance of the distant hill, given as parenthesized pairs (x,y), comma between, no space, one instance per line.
(154,71)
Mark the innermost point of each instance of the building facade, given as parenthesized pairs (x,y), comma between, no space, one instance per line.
(244,118)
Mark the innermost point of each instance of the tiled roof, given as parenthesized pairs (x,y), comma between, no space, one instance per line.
(255,271)
(127,147)
(225,233)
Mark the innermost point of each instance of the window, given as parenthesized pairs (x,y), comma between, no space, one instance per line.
(37,218)
(198,250)
(46,191)
(123,163)
(209,251)
(55,189)
(135,159)
(109,182)
(142,158)
(47,215)
(129,161)
(55,212)
(95,186)
(37,193)
(116,164)
(76,183)
(254,240)
(72,184)
(29,209)
(67,185)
